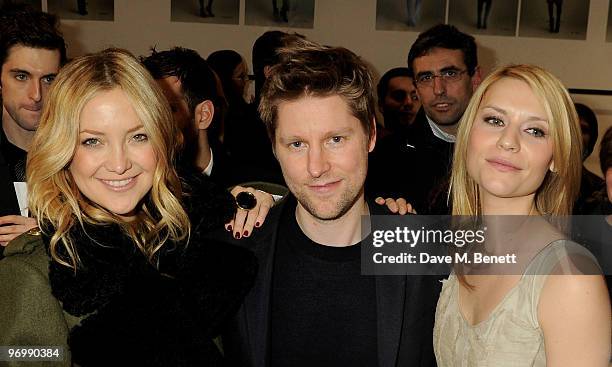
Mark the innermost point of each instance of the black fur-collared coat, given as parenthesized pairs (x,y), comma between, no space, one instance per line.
(118,309)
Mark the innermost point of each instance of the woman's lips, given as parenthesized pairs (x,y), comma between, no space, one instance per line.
(503,165)
(120,185)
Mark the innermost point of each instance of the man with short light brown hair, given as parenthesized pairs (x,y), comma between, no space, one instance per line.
(310,304)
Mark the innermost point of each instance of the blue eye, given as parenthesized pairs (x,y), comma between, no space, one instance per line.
(534,131)
(90,142)
(296,144)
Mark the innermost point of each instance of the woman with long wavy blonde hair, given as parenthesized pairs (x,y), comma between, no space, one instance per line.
(517,168)
(119,272)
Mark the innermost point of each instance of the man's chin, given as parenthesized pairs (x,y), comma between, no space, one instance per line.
(325,214)
(30,123)
(327,210)
(445,119)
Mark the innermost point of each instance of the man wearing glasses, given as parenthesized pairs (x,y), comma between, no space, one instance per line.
(444,67)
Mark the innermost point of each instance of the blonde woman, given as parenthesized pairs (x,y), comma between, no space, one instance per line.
(119,273)
(518,153)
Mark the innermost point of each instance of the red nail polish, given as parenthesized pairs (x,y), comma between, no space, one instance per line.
(246,233)
(237,236)
(229,228)
(257,224)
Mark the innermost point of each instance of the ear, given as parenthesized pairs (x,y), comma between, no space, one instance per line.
(204,113)
(267,71)
(551,167)
(372,141)
(476,78)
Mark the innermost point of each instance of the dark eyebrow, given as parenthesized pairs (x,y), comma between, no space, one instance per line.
(446,68)
(450,68)
(20,71)
(424,73)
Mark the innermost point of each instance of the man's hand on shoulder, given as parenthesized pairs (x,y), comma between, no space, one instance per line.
(12,226)
(398,206)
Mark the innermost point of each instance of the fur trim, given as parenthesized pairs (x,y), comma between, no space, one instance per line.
(139,315)
(209,206)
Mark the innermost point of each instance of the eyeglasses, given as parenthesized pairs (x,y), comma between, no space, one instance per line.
(448,76)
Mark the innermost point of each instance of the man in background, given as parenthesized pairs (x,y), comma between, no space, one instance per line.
(398,101)
(31,53)
(190,86)
(443,63)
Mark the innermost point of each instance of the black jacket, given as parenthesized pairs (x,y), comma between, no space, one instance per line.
(134,313)
(8,199)
(406,308)
(413,164)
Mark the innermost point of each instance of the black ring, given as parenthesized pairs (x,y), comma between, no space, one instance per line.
(246,200)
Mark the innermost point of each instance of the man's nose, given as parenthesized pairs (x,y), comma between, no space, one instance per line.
(317,162)
(34,91)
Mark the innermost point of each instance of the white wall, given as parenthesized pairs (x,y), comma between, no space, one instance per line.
(140,24)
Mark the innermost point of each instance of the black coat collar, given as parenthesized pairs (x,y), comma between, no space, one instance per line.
(147,316)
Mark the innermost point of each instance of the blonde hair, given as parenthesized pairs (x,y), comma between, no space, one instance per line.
(559,189)
(54,198)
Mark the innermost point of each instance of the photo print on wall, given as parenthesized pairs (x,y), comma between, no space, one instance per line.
(280,13)
(489,17)
(205,11)
(409,15)
(83,9)
(564,19)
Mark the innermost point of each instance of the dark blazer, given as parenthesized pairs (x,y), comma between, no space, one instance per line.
(406,308)
(8,198)
(413,164)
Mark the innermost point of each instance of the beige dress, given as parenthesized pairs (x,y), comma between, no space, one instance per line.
(511,336)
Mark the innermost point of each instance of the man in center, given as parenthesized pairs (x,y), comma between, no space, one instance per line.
(310,304)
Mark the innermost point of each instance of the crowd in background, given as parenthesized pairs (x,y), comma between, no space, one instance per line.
(121,234)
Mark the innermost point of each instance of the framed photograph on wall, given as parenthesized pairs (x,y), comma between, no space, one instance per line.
(409,15)
(82,9)
(36,4)
(205,11)
(564,19)
(490,17)
(280,13)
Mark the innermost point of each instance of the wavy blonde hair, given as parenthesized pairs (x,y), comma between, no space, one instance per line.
(559,189)
(55,199)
